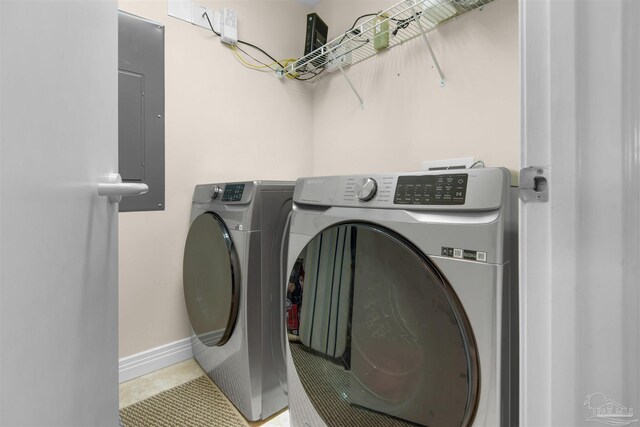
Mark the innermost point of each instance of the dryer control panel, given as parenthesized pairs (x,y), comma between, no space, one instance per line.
(232,192)
(431,189)
(229,193)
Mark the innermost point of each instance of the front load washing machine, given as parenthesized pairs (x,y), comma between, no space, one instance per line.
(405,300)
(232,276)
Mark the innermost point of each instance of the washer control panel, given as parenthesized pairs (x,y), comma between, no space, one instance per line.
(233,192)
(480,189)
(449,189)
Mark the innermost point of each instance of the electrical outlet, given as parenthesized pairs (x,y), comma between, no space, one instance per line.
(198,18)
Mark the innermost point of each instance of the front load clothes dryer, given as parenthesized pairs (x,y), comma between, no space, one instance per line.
(403,293)
(232,275)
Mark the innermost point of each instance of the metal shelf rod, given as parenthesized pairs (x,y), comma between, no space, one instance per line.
(426,40)
(350,84)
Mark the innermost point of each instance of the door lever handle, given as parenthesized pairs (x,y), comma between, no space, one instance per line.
(112,187)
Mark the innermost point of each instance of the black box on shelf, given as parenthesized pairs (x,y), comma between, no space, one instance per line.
(316,37)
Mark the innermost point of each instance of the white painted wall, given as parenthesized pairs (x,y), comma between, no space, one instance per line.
(408,117)
(224,122)
(283,130)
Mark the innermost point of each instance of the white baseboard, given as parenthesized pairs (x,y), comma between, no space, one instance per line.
(154,359)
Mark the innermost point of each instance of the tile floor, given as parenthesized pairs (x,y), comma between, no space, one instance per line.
(149,385)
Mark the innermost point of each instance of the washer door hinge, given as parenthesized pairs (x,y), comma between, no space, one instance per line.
(534,184)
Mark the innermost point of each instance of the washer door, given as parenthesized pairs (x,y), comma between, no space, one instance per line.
(211,280)
(377,334)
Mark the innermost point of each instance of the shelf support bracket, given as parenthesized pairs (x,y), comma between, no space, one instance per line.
(344,74)
(416,17)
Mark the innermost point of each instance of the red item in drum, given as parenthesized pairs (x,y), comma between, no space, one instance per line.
(293,320)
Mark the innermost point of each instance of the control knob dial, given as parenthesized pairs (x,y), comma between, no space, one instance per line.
(366,190)
(215,192)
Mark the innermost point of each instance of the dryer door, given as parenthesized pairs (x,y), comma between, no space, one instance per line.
(377,334)
(211,279)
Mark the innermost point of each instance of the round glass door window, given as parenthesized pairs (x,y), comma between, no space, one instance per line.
(211,280)
(377,334)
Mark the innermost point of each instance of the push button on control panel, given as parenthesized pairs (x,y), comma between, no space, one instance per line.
(233,192)
(450,189)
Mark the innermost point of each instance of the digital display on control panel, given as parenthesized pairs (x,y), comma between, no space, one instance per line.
(232,192)
(431,190)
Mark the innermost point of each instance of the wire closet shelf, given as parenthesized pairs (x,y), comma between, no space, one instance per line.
(404,21)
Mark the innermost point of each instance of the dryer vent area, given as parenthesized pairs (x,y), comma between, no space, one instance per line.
(377,334)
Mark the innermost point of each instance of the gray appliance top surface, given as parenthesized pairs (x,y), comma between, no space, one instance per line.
(479,189)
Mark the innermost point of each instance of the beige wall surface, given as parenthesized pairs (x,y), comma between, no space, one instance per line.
(223,123)
(407,116)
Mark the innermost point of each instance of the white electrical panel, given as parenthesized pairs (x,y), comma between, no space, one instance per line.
(228,26)
(224,22)
(181,9)
(199,18)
